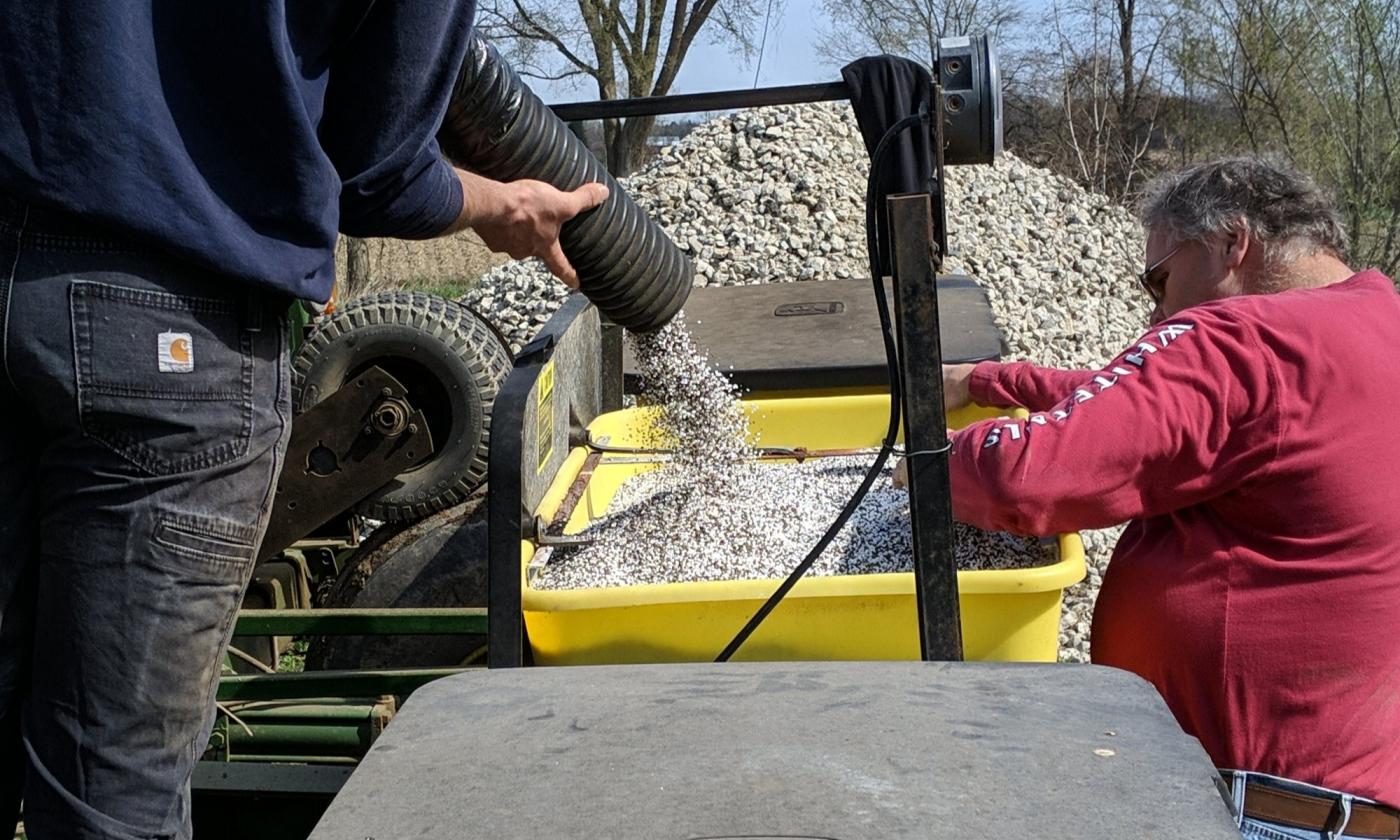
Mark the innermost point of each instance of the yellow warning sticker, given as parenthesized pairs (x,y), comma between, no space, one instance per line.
(544,417)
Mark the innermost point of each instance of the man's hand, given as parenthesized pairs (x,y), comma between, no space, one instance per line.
(523,218)
(900,477)
(957,394)
(957,386)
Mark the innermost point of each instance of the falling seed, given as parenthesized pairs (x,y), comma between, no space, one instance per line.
(715,513)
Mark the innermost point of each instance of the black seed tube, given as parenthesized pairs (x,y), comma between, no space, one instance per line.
(497,127)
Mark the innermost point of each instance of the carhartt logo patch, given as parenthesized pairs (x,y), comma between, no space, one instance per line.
(176,353)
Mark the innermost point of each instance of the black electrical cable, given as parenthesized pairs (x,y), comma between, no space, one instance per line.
(882,307)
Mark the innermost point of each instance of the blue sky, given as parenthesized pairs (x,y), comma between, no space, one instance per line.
(789,59)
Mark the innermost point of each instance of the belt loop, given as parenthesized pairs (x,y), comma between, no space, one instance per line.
(1340,809)
(9,293)
(1238,780)
(252,321)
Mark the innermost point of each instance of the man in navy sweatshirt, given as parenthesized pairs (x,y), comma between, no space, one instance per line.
(172,175)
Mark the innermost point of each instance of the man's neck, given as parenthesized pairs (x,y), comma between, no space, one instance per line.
(1310,272)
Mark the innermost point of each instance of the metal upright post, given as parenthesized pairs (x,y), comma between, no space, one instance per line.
(506,514)
(611,390)
(912,236)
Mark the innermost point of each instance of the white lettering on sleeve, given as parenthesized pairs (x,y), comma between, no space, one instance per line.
(1138,359)
(1171,332)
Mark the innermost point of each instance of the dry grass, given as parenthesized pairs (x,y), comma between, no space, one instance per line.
(448,266)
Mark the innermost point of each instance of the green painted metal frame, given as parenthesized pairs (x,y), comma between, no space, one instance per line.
(241,797)
(336,731)
(423,621)
(352,622)
(318,684)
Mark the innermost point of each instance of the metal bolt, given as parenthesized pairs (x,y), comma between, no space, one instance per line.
(391,416)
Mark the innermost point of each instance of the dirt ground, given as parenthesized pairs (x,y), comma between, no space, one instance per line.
(447,266)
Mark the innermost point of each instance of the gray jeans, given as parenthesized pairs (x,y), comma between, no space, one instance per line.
(144,413)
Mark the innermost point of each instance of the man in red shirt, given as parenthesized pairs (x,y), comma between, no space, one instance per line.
(1243,438)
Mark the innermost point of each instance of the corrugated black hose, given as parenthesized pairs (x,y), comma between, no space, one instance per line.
(872,245)
(497,127)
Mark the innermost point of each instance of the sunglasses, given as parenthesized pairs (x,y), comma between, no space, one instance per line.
(1153,280)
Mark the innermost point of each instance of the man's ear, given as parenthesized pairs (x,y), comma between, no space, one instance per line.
(1236,245)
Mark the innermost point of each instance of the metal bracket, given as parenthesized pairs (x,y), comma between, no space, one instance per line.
(540,535)
(601,444)
(345,448)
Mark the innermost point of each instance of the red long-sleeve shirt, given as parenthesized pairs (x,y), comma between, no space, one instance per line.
(1257,585)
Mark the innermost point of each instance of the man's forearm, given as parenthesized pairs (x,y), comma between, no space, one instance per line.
(1023,384)
(523,218)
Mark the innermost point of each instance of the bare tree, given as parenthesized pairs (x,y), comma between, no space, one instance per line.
(1331,105)
(1101,72)
(910,28)
(628,49)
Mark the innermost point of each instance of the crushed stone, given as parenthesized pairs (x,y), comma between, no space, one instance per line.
(665,527)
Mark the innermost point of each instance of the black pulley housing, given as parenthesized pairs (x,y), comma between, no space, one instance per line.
(970,79)
(497,127)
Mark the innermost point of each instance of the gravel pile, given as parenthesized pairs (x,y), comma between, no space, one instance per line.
(758,526)
(777,195)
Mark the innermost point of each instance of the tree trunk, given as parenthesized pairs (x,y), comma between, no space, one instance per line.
(1128,126)
(357,269)
(1128,96)
(627,147)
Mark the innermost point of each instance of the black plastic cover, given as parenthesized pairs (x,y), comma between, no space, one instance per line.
(819,335)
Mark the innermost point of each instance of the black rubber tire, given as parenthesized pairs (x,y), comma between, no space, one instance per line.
(438,562)
(451,361)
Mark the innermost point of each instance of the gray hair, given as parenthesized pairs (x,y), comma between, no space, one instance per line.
(1279,207)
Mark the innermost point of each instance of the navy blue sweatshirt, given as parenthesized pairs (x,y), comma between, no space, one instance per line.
(239,134)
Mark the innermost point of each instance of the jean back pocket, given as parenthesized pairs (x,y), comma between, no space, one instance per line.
(163,380)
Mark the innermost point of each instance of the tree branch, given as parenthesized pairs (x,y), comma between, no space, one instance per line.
(542,34)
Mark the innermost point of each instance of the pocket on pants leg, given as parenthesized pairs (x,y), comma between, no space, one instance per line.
(200,566)
(124,680)
(163,380)
(197,569)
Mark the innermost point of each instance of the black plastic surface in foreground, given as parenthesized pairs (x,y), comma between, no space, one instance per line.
(843,750)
